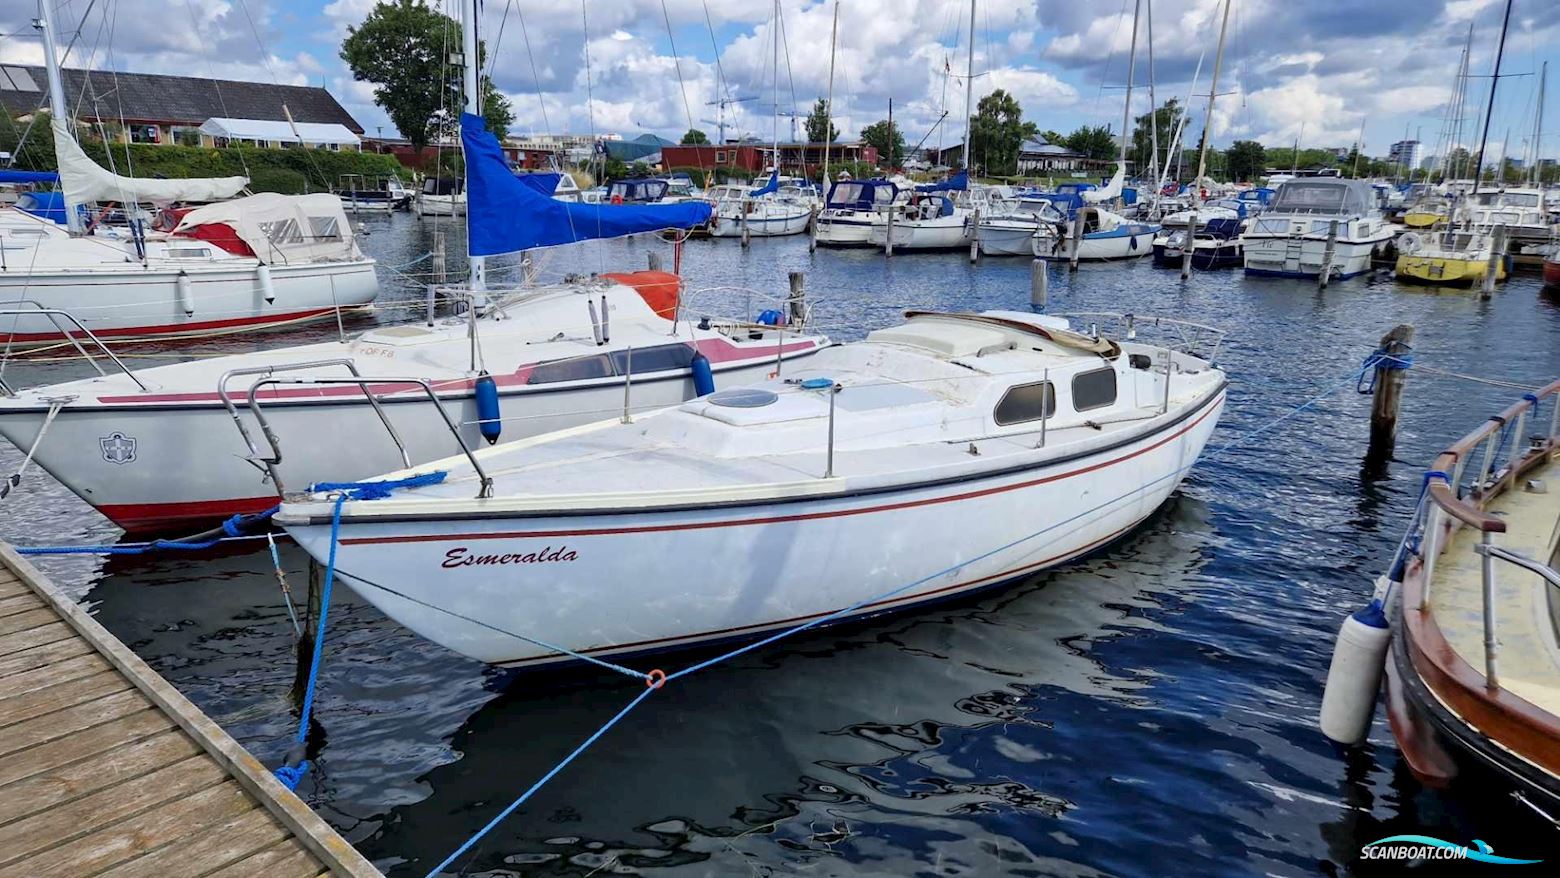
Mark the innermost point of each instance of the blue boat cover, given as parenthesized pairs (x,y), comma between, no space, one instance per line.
(861,194)
(10,175)
(772,186)
(44,205)
(506,215)
(957,183)
(1223,228)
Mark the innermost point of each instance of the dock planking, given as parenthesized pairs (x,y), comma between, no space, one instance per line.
(107,770)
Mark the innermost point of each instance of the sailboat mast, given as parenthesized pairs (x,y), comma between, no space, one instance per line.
(1213,94)
(470,76)
(969,94)
(56,94)
(828,102)
(1489,107)
(1153,102)
(775,122)
(1126,107)
(1538,125)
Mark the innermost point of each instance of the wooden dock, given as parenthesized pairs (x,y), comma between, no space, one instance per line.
(107,770)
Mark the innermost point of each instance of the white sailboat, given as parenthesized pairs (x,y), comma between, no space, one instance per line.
(264,260)
(948,454)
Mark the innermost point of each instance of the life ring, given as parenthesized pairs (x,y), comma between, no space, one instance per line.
(617,198)
(1409,243)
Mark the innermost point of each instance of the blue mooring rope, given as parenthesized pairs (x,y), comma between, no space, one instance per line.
(1383,360)
(233,527)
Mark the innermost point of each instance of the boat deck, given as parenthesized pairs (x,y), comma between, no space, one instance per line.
(1529,656)
(107,770)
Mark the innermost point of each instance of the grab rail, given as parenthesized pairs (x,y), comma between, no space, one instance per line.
(255,457)
(1193,335)
(54,315)
(486,489)
(1490,481)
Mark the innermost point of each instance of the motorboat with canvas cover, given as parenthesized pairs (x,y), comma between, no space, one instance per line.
(1290,238)
(158,448)
(239,263)
(935,458)
(848,212)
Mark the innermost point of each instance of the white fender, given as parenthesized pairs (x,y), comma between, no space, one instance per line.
(186,297)
(263,279)
(1409,243)
(1354,678)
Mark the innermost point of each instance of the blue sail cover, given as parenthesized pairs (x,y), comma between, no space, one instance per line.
(506,215)
(543,182)
(861,194)
(46,205)
(9,175)
(957,183)
(772,186)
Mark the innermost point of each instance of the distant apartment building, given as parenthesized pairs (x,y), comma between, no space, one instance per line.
(188,110)
(1405,153)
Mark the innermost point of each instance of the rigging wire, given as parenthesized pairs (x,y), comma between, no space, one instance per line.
(677,64)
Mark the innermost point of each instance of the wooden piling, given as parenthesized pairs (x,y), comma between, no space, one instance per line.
(747,237)
(305,647)
(975,236)
(1188,245)
(1324,276)
(1077,242)
(438,258)
(812,229)
(1389,379)
(796,302)
(653,260)
(1497,246)
(888,240)
(1039,283)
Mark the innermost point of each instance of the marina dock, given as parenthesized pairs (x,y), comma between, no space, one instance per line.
(107,770)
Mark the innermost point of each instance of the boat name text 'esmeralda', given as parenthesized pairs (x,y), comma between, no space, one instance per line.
(460,557)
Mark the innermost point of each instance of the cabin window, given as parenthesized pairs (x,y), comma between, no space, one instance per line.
(572,369)
(656,359)
(282,232)
(1094,390)
(1026,402)
(188,252)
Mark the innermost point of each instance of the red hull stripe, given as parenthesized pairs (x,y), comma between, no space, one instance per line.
(777,519)
(146,516)
(916,597)
(178,328)
(717,350)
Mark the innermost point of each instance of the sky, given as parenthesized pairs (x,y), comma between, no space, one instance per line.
(1313,69)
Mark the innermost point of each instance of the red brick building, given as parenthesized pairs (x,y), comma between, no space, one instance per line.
(752,158)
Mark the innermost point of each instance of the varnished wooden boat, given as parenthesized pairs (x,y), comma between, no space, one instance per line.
(1475,671)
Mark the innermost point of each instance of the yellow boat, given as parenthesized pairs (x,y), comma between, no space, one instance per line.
(1455,259)
(1423,218)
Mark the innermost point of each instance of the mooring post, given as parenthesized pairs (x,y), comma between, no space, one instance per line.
(888,239)
(796,302)
(1077,241)
(1188,245)
(747,237)
(975,236)
(1325,275)
(653,260)
(1497,248)
(1391,372)
(812,228)
(305,650)
(1039,283)
(438,257)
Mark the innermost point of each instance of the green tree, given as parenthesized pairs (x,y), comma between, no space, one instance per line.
(819,128)
(1246,160)
(1093,142)
(876,135)
(694,137)
(402,48)
(997,131)
(1141,152)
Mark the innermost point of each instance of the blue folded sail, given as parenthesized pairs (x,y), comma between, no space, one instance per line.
(772,186)
(506,215)
(957,183)
(11,175)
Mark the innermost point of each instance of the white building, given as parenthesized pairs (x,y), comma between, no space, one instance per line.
(1405,153)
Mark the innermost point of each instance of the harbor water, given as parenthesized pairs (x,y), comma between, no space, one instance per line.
(1149,709)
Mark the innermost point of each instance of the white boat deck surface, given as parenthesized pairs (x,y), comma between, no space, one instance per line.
(1529,659)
